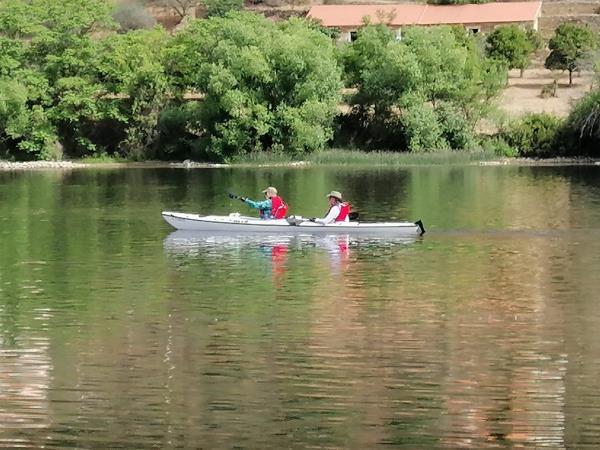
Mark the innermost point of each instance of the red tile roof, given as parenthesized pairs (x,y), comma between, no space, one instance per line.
(346,16)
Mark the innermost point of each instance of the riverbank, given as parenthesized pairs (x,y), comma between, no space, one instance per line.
(40,165)
(328,158)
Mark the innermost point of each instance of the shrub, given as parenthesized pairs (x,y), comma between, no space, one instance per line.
(549,90)
(457,130)
(132,16)
(219,8)
(423,130)
(582,129)
(534,135)
(499,147)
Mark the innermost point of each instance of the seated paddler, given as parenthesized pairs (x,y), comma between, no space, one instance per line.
(273,207)
(339,211)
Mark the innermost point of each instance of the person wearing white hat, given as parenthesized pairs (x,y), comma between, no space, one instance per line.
(273,207)
(339,211)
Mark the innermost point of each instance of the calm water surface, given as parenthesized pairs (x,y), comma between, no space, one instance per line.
(116,332)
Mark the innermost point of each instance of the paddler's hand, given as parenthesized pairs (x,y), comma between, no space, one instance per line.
(313,219)
(243,199)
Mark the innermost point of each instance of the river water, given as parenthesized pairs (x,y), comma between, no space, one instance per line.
(116,332)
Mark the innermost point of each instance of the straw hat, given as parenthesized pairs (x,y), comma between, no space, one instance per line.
(335,194)
(270,190)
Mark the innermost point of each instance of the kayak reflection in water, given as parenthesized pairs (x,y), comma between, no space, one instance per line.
(273,207)
(338,249)
(277,253)
(339,211)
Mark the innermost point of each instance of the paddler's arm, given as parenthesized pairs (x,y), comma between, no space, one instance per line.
(331,216)
(262,205)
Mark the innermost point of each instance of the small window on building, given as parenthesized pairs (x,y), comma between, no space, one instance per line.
(474,30)
(353,36)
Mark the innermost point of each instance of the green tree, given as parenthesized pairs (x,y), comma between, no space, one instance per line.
(511,44)
(219,8)
(429,89)
(265,85)
(131,67)
(51,53)
(569,47)
(424,132)
(13,111)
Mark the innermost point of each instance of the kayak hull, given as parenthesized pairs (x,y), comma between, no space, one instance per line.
(242,224)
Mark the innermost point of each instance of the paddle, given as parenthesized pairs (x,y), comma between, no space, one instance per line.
(235,196)
(293,220)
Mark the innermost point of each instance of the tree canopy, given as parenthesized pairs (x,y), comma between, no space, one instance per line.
(264,84)
(569,48)
(511,44)
(72,84)
(49,49)
(422,93)
(72,81)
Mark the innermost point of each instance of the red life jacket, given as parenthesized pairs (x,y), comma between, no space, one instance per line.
(344,211)
(278,207)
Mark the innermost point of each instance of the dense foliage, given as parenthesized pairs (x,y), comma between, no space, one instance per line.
(264,85)
(219,8)
(425,92)
(582,130)
(48,49)
(534,135)
(71,84)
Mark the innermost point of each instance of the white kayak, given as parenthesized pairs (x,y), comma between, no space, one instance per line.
(294,224)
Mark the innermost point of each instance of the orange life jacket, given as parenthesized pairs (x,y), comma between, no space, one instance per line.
(344,211)
(278,207)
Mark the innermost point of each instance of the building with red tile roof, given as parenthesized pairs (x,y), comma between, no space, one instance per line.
(475,17)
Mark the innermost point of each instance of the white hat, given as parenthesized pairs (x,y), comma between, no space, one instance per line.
(270,190)
(335,194)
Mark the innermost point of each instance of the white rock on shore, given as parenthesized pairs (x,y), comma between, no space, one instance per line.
(35,165)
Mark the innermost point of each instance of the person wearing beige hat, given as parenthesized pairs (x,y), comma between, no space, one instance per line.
(273,207)
(339,211)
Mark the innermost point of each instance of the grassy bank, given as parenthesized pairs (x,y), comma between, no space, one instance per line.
(335,157)
(376,158)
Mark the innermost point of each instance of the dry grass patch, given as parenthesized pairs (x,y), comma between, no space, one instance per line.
(524,95)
